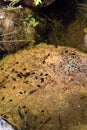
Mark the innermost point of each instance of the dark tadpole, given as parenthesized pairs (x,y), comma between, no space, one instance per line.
(24,107)
(14,87)
(19,75)
(32,91)
(24,69)
(10,100)
(14,79)
(21,92)
(3,98)
(4,86)
(42,80)
(39,86)
(26,75)
(17,62)
(46,74)
(43,62)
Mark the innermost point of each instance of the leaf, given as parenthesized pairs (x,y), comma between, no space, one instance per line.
(37,2)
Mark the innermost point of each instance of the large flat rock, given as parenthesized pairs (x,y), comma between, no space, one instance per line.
(44,88)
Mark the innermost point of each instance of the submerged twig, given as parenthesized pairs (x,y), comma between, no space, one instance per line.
(8,8)
(82,6)
(6,34)
(17,41)
(43,123)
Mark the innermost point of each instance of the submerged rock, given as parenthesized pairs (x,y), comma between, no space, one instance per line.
(44,88)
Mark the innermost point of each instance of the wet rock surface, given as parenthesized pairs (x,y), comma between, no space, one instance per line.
(44,88)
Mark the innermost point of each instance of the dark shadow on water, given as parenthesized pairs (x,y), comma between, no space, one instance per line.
(63,9)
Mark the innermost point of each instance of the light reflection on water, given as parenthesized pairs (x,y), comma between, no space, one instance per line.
(4,125)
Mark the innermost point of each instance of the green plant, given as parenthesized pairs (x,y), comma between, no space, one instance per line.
(29,24)
(30,20)
(57,28)
(13,2)
(36,2)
